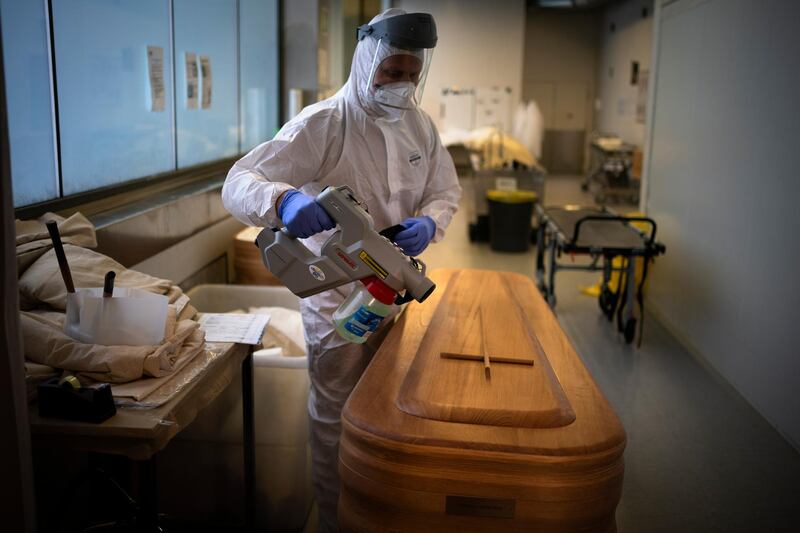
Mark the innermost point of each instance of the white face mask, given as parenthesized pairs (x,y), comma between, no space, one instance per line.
(390,114)
(399,95)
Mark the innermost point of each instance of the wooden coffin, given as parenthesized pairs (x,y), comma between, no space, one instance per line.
(247,263)
(476,414)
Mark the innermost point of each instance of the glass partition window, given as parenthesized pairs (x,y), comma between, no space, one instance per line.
(109,130)
(129,89)
(29,101)
(205,70)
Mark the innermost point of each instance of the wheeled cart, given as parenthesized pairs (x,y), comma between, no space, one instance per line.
(610,171)
(602,235)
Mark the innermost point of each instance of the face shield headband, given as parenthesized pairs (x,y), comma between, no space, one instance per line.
(410,31)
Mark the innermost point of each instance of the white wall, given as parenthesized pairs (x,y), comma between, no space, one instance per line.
(724,186)
(630,41)
(480,45)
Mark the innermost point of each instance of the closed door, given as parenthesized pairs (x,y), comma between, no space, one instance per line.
(564,107)
(570,106)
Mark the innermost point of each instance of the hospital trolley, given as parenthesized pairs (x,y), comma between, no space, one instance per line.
(602,235)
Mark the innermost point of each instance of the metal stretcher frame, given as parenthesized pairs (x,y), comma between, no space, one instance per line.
(556,238)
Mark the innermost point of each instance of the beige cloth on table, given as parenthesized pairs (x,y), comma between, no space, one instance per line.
(191,355)
(42,281)
(43,302)
(46,343)
(33,240)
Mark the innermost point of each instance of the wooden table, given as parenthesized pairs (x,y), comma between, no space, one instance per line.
(139,434)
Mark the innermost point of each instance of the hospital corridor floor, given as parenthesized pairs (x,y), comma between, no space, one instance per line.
(699,458)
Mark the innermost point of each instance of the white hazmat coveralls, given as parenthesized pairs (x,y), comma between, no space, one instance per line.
(394,162)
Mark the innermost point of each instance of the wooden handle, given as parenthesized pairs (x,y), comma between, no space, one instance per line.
(52,228)
(108,285)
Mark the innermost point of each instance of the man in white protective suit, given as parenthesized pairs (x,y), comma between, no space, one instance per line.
(372,137)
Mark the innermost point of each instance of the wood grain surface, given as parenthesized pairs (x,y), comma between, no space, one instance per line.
(247,263)
(431,444)
(491,321)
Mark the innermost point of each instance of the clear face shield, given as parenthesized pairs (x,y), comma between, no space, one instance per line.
(397,75)
(402,57)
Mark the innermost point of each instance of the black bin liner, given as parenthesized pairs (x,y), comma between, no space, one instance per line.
(510,215)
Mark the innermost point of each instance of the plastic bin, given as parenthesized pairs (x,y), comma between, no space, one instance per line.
(200,472)
(510,214)
(476,204)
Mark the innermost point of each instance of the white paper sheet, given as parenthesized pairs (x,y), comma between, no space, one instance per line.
(205,71)
(192,81)
(155,68)
(230,327)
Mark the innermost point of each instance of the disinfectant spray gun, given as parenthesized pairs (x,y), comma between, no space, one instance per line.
(355,252)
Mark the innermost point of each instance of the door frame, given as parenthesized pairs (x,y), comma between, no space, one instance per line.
(16,465)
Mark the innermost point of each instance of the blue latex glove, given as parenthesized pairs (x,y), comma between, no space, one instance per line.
(416,236)
(302,215)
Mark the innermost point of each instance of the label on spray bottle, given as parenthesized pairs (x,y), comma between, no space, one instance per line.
(362,321)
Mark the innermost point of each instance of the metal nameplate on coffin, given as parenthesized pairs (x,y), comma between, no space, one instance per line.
(485,507)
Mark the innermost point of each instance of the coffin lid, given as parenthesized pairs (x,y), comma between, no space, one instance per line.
(480,362)
(429,383)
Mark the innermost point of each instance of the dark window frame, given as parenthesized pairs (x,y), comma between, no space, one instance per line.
(120,194)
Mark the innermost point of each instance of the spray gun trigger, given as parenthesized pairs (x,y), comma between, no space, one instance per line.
(392,231)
